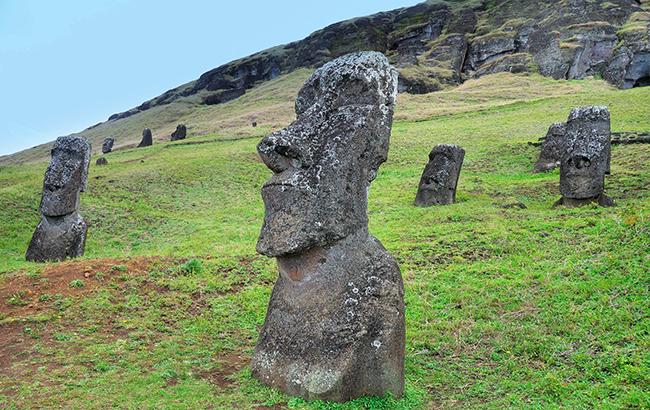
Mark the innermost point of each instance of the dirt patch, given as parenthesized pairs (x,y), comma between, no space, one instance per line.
(24,295)
(229,364)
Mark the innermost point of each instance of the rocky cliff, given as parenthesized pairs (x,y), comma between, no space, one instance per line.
(437,44)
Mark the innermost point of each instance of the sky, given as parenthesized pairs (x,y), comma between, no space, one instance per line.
(69,64)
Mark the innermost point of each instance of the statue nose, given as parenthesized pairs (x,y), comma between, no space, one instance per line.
(275,152)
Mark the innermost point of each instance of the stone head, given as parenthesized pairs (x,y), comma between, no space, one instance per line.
(440,176)
(66,176)
(585,162)
(324,161)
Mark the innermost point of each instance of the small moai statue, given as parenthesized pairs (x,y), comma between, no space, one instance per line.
(107,146)
(147,138)
(254,121)
(553,148)
(61,233)
(440,176)
(334,327)
(180,133)
(586,159)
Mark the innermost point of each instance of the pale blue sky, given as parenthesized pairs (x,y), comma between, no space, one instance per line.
(68,64)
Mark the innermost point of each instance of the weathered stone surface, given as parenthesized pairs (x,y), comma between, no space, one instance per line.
(440,176)
(586,159)
(58,238)
(334,329)
(101,161)
(180,133)
(553,148)
(107,146)
(147,138)
(65,176)
(62,232)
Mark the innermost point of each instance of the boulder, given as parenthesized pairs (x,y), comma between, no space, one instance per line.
(587,156)
(101,161)
(147,138)
(180,133)
(334,328)
(62,231)
(107,146)
(440,176)
(553,148)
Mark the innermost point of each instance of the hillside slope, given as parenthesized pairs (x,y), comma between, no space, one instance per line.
(505,307)
(435,45)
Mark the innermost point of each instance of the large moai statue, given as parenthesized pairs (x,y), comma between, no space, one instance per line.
(553,148)
(334,328)
(147,138)
(180,133)
(440,176)
(107,146)
(61,233)
(586,159)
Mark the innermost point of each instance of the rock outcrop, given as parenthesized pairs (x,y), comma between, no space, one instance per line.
(440,44)
(147,138)
(107,146)
(440,176)
(61,233)
(180,133)
(586,159)
(334,328)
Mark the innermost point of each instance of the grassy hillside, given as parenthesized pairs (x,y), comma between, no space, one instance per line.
(506,307)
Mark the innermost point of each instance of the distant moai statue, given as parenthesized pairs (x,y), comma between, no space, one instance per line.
(147,138)
(254,121)
(553,148)
(180,133)
(586,158)
(334,328)
(440,176)
(107,146)
(61,233)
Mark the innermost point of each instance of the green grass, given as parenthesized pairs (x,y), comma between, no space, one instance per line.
(505,308)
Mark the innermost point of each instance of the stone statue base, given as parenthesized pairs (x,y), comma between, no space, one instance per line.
(58,238)
(334,329)
(602,200)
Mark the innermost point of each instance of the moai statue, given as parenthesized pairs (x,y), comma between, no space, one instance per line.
(61,232)
(553,148)
(334,328)
(107,146)
(147,139)
(586,159)
(440,177)
(180,133)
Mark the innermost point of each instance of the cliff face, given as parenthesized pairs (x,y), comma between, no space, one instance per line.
(437,44)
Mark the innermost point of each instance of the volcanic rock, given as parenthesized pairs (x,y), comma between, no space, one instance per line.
(107,146)
(180,133)
(440,176)
(62,231)
(147,139)
(334,328)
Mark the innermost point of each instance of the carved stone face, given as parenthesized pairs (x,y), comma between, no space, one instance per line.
(66,176)
(440,176)
(583,168)
(324,162)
